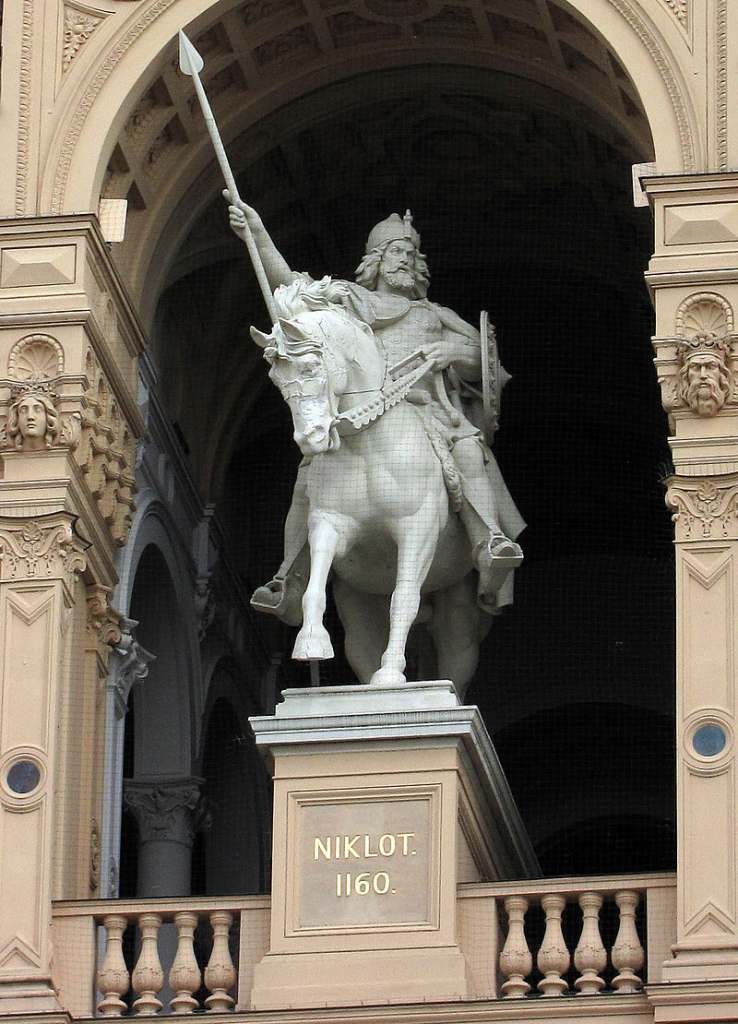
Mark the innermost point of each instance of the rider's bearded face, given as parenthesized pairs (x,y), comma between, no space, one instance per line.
(397,266)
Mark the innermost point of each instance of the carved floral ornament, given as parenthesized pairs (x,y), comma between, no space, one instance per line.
(704,509)
(44,548)
(696,368)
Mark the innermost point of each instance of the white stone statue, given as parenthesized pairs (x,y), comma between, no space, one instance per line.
(397,492)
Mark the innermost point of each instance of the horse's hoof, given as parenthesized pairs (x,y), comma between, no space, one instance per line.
(313,645)
(387,677)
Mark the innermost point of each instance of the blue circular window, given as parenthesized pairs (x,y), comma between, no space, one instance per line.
(709,740)
(23,777)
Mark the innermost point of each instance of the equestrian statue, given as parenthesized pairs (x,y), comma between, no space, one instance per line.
(397,493)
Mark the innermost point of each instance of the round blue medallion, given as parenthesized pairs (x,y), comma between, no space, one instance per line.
(709,740)
(23,777)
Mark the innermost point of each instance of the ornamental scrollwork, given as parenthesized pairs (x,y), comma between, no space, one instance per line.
(704,509)
(43,548)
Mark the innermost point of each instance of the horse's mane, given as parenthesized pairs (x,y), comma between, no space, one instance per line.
(304,295)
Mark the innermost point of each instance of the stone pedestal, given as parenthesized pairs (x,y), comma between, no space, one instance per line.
(383,799)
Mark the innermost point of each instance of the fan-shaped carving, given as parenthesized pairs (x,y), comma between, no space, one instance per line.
(36,357)
(706,312)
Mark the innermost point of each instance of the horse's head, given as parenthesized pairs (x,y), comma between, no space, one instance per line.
(300,367)
(313,349)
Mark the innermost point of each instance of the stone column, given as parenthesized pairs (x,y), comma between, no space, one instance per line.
(39,558)
(128,664)
(694,279)
(168,812)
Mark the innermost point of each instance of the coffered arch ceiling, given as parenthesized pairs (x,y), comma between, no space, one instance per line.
(272,66)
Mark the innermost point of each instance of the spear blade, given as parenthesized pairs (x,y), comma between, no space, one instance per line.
(190,61)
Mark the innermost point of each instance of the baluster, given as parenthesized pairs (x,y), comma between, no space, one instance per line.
(184,976)
(220,974)
(590,956)
(553,956)
(148,977)
(112,978)
(627,953)
(515,959)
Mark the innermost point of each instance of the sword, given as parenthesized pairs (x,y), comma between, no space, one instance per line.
(191,63)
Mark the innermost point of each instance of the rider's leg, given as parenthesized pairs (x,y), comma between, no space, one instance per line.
(494,554)
(296,524)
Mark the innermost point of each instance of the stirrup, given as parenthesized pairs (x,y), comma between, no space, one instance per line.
(281,596)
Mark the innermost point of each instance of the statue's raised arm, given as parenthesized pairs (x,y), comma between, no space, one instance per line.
(275,266)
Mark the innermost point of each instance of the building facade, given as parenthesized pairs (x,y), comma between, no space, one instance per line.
(554,152)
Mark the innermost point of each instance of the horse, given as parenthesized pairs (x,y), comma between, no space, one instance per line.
(379,507)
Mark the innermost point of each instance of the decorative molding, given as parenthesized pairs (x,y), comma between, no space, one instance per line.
(721,43)
(680,11)
(24,109)
(79,24)
(704,509)
(107,67)
(94,856)
(166,810)
(44,548)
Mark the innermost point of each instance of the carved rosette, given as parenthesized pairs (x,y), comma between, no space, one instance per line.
(697,367)
(44,548)
(79,24)
(167,810)
(704,509)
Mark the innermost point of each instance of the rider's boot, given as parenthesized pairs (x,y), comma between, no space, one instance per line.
(494,558)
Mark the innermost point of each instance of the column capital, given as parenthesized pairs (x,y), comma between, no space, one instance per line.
(41,547)
(168,810)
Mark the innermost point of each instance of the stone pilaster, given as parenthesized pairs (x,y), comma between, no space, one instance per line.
(168,812)
(69,343)
(694,281)
(39,559)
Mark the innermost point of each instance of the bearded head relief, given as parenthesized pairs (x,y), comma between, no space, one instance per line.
(705,380)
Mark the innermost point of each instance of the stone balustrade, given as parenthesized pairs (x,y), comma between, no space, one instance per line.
(540,940)
(558,940)
(154,957)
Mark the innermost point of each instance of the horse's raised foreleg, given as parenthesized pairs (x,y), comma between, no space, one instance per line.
(313,642)
(416,544)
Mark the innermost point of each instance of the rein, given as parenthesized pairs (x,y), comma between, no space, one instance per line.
(358,417)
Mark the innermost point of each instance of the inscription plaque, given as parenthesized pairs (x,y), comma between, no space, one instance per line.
(364,862)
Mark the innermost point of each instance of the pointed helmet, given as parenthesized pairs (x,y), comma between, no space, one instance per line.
(391,229)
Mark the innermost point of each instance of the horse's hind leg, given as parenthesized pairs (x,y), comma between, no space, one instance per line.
(365,619)
(313,642)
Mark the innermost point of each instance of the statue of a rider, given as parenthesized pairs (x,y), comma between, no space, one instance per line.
(390,297)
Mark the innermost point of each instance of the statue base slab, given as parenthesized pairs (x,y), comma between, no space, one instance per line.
(384,799)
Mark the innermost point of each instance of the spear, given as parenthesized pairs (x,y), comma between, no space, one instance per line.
(191,63)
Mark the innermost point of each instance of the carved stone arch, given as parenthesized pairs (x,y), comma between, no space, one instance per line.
(77,156)
(36,357)
(705,313)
